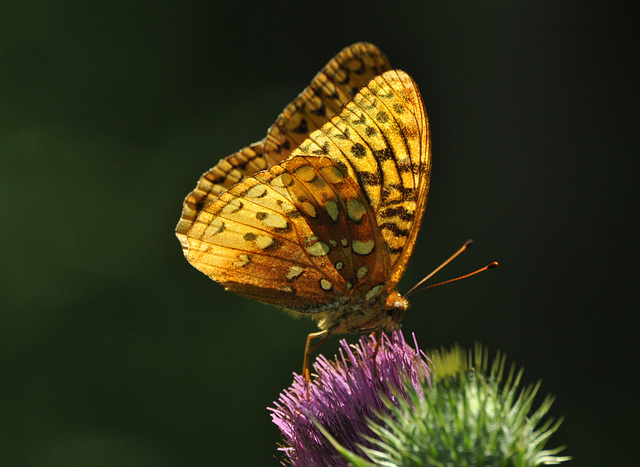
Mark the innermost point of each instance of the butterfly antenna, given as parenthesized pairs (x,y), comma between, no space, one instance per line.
(466,245)
(488,266)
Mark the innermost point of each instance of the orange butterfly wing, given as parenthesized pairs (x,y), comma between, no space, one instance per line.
(329,91)
(335,223)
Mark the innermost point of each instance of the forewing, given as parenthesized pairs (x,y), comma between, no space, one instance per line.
(330,90)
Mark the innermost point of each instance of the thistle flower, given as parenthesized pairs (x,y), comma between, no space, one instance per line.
(344,396)
(452,409)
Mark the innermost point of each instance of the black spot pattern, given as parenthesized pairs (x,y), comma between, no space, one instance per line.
(302,128)
(358,150)
(384,154)
(322,151)
(382,117)
(320,111)
(395,229)
(399,211)
(370,178)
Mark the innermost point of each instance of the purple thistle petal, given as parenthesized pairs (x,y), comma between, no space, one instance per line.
(346,393)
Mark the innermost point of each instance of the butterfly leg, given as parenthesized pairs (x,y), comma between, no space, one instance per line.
(305,364)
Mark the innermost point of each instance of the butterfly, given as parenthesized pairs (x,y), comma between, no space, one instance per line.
(321,217)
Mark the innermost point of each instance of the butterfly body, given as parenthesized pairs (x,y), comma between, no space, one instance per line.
(364,316)
(322,222)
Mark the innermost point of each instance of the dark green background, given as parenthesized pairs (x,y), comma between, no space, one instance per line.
(115,351)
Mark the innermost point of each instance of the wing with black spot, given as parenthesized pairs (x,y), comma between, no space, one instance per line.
(381,139)
(329,91)
(298,235)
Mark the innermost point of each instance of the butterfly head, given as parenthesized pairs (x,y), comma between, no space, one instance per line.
(395,307)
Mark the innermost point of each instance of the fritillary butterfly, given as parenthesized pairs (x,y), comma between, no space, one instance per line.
(327,229)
